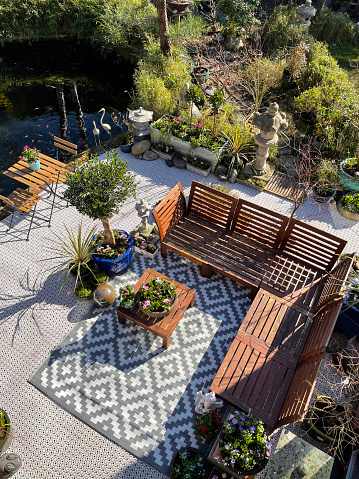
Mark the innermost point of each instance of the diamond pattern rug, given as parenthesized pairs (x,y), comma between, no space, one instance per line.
(120,381)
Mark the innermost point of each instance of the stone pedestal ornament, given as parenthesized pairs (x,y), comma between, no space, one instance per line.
(269,123)
(10,463)
(306,12)
(207,402)
(146,230)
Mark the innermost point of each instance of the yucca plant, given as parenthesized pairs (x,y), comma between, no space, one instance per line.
(74,253)
(240,145)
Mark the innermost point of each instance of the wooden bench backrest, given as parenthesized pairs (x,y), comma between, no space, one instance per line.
(170,210)
(301,388)
(211,204)
(312,245)
(259,223)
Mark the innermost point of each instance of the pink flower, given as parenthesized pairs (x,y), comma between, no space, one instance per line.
(166,300)
(160,145)
(145,287)
(179,117)
(198,124)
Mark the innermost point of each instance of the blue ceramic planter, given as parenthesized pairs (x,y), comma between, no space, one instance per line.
(347,181)
(35,166)
(117,265)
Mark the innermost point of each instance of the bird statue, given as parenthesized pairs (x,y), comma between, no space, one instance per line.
(105,126)
(96,133)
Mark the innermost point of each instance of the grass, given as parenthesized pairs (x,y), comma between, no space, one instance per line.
(344,54)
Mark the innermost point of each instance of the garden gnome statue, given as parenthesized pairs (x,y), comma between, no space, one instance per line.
(269,123)
(206,402)
(9,464)
(306,12)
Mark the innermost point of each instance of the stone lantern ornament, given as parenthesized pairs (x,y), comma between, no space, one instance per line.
(140,123)
(306,12)
(269,123)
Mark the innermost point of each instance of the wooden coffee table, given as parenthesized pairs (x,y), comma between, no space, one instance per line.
(162,327)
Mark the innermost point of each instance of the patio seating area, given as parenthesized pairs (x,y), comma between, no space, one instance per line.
(35,318)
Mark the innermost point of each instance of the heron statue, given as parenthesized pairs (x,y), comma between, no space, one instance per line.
(96,134)
(105,126)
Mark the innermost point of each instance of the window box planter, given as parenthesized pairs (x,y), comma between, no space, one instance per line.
(199,171)
(250,185)
(348,182)
(164,156)
(117,265)
(184,147)
(145,253)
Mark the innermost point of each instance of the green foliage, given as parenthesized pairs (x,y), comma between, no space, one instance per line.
(99,188)
(187,31)
(73,252)
(236,14)
(100,276)
(350,201)
(333,28)
(84,290)
(159,79)
(193,94)
(123,27)
(241,145)
(216,101)
(156,295)
(189,465)
(327,178)
(330,95)
(282,30)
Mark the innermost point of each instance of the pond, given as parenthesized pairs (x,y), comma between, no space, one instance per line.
(56,88)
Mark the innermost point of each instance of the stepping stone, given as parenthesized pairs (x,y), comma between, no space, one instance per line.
(169,163)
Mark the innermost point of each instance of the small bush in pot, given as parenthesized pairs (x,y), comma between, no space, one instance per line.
(99,188)
(244,443)
(208,425)
(84,291)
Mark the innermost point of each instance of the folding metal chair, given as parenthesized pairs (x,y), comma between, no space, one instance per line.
(25,203)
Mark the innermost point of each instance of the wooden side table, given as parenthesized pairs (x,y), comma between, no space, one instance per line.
(162,327)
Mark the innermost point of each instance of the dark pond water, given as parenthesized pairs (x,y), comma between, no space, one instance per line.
(56,89)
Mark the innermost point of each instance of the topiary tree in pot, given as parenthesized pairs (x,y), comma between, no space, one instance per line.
(98,189)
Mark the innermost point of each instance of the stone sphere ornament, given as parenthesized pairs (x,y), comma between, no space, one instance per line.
(306,12)
(104,295)
(9,464)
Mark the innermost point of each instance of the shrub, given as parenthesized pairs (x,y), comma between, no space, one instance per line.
(159,79)
(236,14)
(259,76)
(282,29)
(333,28)
(187,31)
(330,96)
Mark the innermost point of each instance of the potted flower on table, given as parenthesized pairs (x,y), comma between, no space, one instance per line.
(158,297)
(32,156)
(127,297)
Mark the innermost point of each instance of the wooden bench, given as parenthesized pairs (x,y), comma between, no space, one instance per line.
(271,365)
(287,265)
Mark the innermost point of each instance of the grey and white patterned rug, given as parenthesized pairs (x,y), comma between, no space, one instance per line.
(120,381)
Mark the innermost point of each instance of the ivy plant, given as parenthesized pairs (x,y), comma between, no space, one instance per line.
(98,189)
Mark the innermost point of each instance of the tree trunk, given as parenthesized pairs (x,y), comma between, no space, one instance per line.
(163,28)
(108,230)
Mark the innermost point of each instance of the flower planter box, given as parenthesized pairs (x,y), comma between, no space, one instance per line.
(184,147)
(348,182)
(197,170)
(161,154)
(250,185)
(145,253)
(347,214)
